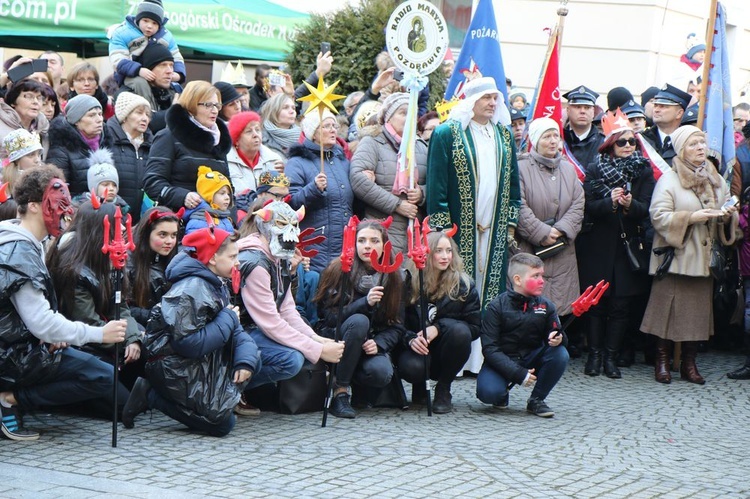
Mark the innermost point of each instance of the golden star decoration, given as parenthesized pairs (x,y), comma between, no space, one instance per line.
(321,96)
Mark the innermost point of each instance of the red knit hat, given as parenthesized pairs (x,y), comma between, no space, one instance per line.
(206,242)
(239,121)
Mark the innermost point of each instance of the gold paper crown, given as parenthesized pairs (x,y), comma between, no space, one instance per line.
(234,75)
(271,180)
(444,107)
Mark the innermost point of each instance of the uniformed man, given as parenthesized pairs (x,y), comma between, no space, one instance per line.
(581,137)
(669,107)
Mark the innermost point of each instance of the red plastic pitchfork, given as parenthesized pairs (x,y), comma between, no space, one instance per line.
(117,249)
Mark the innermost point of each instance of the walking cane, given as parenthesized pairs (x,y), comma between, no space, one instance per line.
(347,259)
(581,305)
(117,250)
(418,251)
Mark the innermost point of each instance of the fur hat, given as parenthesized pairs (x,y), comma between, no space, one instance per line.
(391,105)
(18,143)
(78,106)
(126,103)
(205,242)
(150,9)
(209,182)
(312,121)
(239,122)
(101,169)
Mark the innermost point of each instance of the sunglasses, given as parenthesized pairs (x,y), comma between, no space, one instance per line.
(624,142)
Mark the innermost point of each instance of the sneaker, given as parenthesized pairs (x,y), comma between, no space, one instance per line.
(503,404)
(539,408)
(246,409)
(341,408)
(441,403)
(137,402)
(12,425)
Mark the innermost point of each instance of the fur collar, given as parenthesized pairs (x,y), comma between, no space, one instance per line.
(704,188)
(192,137)
(63,133)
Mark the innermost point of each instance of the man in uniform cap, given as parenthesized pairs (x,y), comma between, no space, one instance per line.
(518,125)
(636,115)
(472,181)
(582,138)
(669,106)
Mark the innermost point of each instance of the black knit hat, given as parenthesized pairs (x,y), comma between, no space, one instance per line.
(618,97)
(150,9)
(648,94)
(154,54)
(227,91)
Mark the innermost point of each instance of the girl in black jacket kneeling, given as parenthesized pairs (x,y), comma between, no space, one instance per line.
(454,320)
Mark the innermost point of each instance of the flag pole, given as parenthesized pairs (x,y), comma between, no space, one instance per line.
(562,12)
(707,62)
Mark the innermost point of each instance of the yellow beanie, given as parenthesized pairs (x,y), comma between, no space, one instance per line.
(209,182)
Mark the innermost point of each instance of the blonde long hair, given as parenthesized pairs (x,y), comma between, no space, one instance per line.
(438,284)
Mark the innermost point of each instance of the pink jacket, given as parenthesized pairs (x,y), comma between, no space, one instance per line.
(284,326)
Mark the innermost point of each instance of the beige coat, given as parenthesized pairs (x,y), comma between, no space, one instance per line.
(671,207)
(542,182)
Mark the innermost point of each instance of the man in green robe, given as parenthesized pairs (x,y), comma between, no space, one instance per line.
(472,181)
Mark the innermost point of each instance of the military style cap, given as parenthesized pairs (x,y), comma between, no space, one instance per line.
(516,114)
(582,96)
(690,117)
(672,96)
(633,110)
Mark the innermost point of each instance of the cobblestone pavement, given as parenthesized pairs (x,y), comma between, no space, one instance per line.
(609,438)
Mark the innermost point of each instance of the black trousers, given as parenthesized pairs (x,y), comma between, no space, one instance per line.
(448,354)
(368,370)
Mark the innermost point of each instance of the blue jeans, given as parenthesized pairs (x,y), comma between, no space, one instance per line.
(156,401)
(277,362)
(492,387)
(307,286)
(80,376)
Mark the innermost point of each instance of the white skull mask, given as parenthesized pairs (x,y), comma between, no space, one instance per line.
(279,224)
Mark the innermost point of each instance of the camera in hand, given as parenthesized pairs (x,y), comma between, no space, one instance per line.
(398,74)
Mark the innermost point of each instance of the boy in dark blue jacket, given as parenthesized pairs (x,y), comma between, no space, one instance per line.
(198,356)
(518,326)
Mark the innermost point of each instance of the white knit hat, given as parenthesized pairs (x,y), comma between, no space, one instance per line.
(19,143)
(126,103)
(312,121)
(538,127)
(101,169)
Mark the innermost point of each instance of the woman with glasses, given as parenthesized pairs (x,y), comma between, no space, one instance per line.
(194,137)
(249,158)
(321,186)
(618,189)
(84,79)
(22,108)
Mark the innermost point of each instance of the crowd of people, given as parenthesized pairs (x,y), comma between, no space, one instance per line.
(219,179)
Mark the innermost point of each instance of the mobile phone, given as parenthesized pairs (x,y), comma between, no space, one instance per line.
(325,47)
(733,201)
(626,188)
(276,79)
(398,74)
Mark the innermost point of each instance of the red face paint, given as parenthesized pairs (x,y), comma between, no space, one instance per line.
(533,283)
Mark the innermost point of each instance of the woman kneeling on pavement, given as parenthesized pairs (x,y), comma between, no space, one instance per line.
(454,320)
(371,322)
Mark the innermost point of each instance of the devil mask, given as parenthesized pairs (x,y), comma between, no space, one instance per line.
(56,208)
(279,224)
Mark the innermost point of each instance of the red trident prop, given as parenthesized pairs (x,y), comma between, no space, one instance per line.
(304,242)
(383,264)
(117,249)
(348,250)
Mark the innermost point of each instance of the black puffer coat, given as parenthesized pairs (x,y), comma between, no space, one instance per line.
(130,164)
(176,154)
(194,343)
(70,153)
(158,286)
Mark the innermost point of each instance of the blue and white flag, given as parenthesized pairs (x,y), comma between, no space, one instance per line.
(480,54)
(718,123)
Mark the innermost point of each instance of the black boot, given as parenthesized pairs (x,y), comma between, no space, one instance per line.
(340,406)
(615,332)
(741,373)
(597,326)
(137,402)
(419,393)
(441,404)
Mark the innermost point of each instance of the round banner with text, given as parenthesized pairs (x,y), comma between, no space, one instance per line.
(417,37)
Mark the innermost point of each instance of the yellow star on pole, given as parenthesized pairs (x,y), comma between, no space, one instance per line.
(321,96)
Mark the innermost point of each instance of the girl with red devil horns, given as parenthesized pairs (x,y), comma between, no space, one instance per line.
(372,322)
(453,320)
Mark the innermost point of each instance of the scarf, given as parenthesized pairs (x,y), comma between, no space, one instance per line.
(393,133)
(214,130)
(93,142)
(136,141)
(251,163)
(701,179)
(550,163)
(616,172)
(280,138)
(368,281)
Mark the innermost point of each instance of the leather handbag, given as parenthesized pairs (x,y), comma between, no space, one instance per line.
(718,264)
(553,249)
(636,249)
(305,392)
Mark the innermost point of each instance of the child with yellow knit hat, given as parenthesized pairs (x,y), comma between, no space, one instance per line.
(216,191)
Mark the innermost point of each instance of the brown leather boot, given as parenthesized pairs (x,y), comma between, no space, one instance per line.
(688,369)
(661,367)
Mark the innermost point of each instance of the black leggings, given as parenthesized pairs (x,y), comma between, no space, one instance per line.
(448,354)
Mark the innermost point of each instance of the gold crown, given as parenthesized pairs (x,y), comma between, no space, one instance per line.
(271,180)
(444,107)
